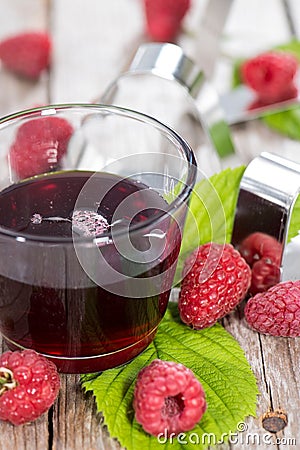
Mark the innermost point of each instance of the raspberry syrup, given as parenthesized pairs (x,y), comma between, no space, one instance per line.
(47,300)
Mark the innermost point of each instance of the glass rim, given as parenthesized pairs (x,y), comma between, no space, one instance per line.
(51,110)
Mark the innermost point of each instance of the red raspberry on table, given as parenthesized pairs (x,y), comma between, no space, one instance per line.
(168,398)
(276,311)
(264,275)
(271,76)
(216,280)
(26,54)
(29,385)
(263,253)
(39,145)
(164,18)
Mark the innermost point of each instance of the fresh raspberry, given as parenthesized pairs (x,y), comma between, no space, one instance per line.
(265,274)
(29,385)
(26,54)
(89,223)
(168,398)
(47,319)
(271,76)
(263,254)
(216,279)
(39,145)
(276,311)
(164,18)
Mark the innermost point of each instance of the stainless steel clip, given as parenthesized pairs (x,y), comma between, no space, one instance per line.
(268,191)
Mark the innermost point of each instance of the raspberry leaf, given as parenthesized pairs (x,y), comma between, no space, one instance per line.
(217,361)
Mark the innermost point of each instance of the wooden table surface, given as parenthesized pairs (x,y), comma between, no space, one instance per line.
(92,41)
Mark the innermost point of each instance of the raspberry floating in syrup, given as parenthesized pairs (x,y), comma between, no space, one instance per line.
(89,223)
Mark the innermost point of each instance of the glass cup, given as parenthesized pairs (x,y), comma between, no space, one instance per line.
(92,206)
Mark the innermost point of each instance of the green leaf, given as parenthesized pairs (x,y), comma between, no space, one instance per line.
(216,359)
(221,138)
(284,122)
(236,73)
(294,227)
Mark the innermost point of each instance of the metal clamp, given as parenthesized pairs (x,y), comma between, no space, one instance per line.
(168,61)
(268,191)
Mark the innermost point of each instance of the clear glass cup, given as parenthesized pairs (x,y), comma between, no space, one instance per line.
(92,206)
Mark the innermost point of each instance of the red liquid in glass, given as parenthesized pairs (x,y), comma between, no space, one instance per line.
(82,326)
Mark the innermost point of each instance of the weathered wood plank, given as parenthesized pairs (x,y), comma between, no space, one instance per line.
(273,361)
(76,423)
